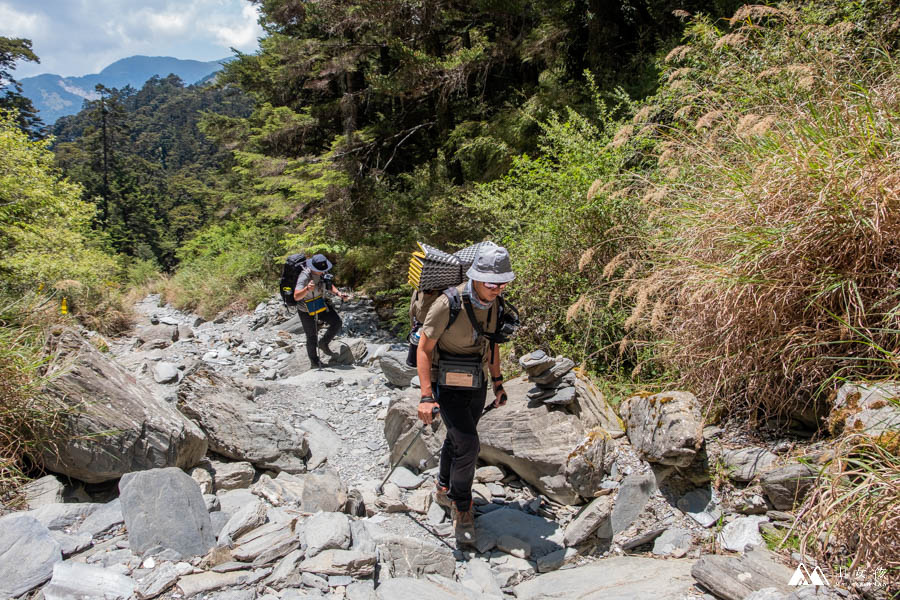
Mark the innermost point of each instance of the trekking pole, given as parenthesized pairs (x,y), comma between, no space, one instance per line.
(380,487)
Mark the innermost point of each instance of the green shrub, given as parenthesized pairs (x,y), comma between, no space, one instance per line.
(231,265)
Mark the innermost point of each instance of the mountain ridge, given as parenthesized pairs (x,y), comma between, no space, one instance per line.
(56,96)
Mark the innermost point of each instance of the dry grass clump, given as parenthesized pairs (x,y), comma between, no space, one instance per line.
(852,519)
(28,423)
(776,249)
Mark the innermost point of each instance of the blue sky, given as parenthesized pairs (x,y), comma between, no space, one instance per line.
(78,37)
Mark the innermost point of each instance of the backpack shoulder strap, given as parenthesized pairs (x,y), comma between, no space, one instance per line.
(455,303)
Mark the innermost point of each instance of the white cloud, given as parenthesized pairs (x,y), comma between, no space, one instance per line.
(79,37)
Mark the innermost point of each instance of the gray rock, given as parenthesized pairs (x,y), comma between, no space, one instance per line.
(633,495)
(277,491)
(103,519)
(542,535)
(164,507)
(197,583)
(479,578)
(157,581)
(271,541)
(62,515)
(360,590)
(326,531)
(75,580)
(589,463)
(157,332)
(788,484)
(563,397)
(619,578)
(165,372)
(556,560)
(736,577)
(664,428)
(698,504)
(237,428)
(323,491)
(595,517)
(218,519)
(767,594)
(488,474)
(121,426)
(673,541)
(868,409)
(27,554)
(247,518)
(70,544)
(323,441)
(409,557)
(341,562)
(203,477)
(395,369)
(561,366)
(745,463)
(408,588)
(46,490)
(532,441)
(406,479)
(401,426)
(232,501)
(536,362)
(742,532)
(343,355)
(287,571)
(231,475)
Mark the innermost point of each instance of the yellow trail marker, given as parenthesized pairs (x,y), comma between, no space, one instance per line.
(64,309)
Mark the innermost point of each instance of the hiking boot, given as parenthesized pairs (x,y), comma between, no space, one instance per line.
(441,497)
(464,526)
(323,346)
(315,364)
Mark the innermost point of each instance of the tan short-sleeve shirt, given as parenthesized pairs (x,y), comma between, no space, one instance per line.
(459,338)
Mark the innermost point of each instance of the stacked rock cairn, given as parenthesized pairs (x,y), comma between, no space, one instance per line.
(554,382)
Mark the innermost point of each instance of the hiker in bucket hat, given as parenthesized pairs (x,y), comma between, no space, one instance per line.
(456,358)
(313,306)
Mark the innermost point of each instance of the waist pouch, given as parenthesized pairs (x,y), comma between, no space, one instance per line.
(316,305)
(460,372)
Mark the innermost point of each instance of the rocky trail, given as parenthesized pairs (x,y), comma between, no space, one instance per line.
(214,464)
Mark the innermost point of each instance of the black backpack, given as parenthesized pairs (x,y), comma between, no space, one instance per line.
(293,266)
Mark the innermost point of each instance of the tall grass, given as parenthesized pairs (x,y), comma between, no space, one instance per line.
(771,264)
(852,520)
(29,423)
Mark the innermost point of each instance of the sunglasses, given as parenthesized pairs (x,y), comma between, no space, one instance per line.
(494,286)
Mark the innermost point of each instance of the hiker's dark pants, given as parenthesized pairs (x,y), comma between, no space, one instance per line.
(329,318)
(461,410)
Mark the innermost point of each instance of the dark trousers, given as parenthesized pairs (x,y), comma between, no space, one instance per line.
(461,410)
(329,318)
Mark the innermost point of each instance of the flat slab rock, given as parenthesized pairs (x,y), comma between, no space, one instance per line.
(543,536)
(619,578)
(736,577)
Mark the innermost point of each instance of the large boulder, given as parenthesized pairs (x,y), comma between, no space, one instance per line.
(664,428)
(736,577)
(164,508)
(118,425)
(237,428)
(533,440)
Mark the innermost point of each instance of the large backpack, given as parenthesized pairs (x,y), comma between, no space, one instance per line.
(293,266)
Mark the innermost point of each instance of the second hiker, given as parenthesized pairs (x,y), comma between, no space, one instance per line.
(457,354)
(313,307)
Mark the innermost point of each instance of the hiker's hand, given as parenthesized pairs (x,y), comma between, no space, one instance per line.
(343,296)
(499,398)
(426,411)
(310,286)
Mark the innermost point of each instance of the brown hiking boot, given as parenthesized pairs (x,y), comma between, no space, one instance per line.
(464,526)
(441,497)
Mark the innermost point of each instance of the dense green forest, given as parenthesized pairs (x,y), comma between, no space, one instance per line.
(694,194)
